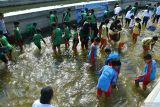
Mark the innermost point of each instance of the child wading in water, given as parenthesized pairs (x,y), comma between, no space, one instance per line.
(37,39)
(75,38)
(67,35)
(93,51)
(18,36)
(103,33)
(56,39)
(136,30)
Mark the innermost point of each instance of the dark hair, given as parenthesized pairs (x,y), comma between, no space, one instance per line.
(116,62)
(46,95)
(54,25)
(117,21)
(137,19)
(86,9)
(54,11)
(97,39)
(106,21)
(69,9)
(16,23)
(1,32)
(155,38)
(50,12)
(39,31)
(34,24)
(74,26)
(148,57)
(108,50)
(132,17)
(1,14)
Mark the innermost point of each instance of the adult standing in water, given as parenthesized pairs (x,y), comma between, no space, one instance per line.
(3,26)
(157,15)
(66,17)
(45,98)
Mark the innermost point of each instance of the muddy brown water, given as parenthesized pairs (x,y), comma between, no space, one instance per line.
(74,84)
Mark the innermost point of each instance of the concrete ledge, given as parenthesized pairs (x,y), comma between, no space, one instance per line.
(153,99)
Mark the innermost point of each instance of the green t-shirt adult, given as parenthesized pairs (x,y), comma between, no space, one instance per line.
(66,17)
(52,19)
(4,42)
(93,18)
(37,38)
(57,40)
(17,32)
(84,16)
(67,33)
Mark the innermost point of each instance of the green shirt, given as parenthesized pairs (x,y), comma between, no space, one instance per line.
(75,35)
(52,19)
(5,43)
(93,18)
(57,40)
(17,33)
(37,38)
(67,32)
(66,17)
(84,16)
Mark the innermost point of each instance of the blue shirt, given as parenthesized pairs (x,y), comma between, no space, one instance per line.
(111,56)
(107,76)
(153,70)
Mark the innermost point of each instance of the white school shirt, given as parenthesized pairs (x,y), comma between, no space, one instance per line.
(2,26)
(117,10)
(158,10)
(129,14)
(38,104)
(146,13)
(132,22)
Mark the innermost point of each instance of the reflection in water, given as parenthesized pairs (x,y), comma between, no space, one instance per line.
(73,82)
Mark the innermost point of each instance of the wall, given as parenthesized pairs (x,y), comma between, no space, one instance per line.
(39,15)
(21,2)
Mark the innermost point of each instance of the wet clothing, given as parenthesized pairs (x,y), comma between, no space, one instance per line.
(37,40)
(57,40)
(18,36)
(104,34)
(37,103)
(117,10)
(3,26)
(149,73)
(105,15)
(92,54)
(111,56)
(66,17)
(53,19)
(75,39)
(4,42)
(86,33)
(93,19)
(137,28)
(67,34)
(157,15)
(146,16)
(131,24)
(108,77)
